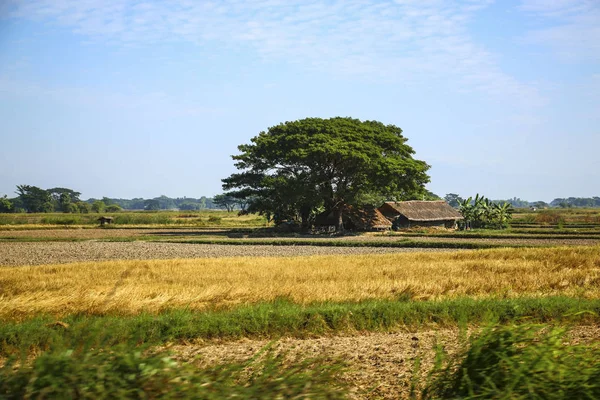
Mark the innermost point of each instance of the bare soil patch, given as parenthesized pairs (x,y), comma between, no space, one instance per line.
(38,253)
(381,365)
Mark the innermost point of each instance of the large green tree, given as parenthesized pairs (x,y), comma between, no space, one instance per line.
(35,199)
(296,167)
(56,193)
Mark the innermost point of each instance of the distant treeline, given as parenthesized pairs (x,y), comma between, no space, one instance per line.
(583,202)
(36,200)
(160,203)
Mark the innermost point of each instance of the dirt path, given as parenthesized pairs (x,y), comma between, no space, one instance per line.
(37,253)
(381,365)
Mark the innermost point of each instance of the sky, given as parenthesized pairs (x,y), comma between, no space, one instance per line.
(146,98)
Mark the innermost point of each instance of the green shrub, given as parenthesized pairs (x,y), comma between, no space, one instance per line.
(143,219)
(550,217)
(518,362)
(62,220)
(113,208)
(129,373)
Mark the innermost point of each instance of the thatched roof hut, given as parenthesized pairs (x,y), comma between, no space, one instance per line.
(105,220)
(366,218)
(405,214)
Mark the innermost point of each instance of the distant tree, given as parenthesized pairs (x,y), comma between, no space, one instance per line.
(429,196)
(55,193)
(107,201)
(151,205)
(83,207)
(35,199)
(113,208)
(453,199)
(137,204)
(64,203)
(72,208)
(515,202)
(576,202)
(165,203)
(225,201)
(189,206)
(6,205)
(98,206)
(540,204)
(296,167)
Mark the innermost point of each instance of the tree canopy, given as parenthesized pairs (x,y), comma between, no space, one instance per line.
(295,168)
(5,205)
(35,199)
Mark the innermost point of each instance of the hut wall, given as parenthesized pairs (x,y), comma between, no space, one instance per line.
(402,222)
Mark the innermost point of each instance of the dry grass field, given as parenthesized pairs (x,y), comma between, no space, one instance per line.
(128,287)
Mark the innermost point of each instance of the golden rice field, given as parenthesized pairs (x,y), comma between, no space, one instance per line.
(128,287)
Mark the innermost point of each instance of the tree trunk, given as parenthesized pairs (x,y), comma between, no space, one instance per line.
(340,220)
(304,225)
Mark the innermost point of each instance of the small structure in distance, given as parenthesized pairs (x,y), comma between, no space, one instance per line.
(406,214)
(105,220)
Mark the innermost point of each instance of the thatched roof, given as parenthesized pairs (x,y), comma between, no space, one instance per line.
(363,218)
(420,210)
(367,218)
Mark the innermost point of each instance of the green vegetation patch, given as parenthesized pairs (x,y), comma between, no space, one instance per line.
(283,317)
(518,362)
(402,243)
(127,372)
(509,235)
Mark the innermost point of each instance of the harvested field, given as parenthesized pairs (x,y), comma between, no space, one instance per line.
(380,365)
(216,234)
(81,233)
(574,241)
(38,253)
(129,287)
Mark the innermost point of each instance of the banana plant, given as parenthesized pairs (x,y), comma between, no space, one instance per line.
(481,212)
(467,210)
(503,214)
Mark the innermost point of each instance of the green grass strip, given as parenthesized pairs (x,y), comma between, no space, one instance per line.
(401,243)
(507,236)
(285,318)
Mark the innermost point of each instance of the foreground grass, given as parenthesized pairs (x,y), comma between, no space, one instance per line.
(130,287)
(518,362)
(502,361)
(285,318)
(127,372)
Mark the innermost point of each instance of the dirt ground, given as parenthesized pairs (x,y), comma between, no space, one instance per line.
(38,253)
(188,233)
(380,365)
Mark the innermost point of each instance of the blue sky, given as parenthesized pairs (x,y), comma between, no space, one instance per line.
(142,98)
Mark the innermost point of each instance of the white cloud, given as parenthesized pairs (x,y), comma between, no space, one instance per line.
(408,41)
(574,33)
